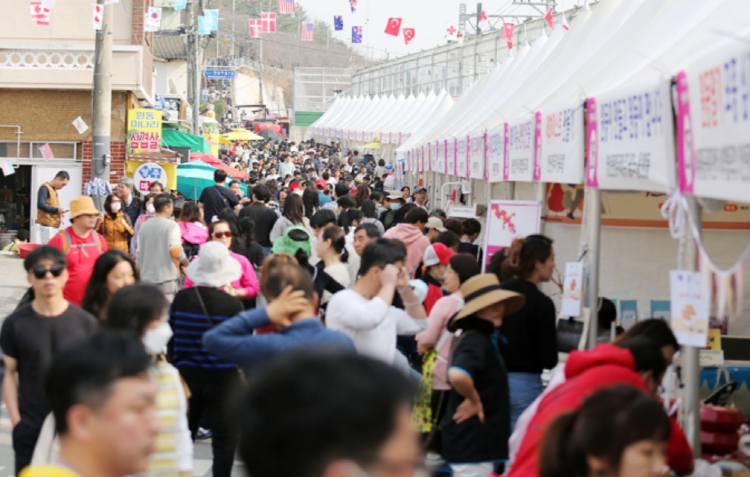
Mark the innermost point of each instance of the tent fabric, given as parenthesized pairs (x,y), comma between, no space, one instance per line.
(175,138)
(241,135)
(200,163)
(192,180)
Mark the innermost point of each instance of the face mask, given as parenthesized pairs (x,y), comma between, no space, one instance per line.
(116,207)
(150,208)
(156,339)
(395,206)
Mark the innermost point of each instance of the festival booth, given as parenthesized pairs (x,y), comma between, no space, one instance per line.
(579,128)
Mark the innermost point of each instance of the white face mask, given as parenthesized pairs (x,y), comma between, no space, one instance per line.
(155,340)
(150,208)
(116,207)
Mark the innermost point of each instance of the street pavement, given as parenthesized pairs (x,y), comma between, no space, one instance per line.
(12,287)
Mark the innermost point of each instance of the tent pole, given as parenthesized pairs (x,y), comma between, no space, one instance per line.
(594,200)
(510,190)
(691,370)
(541,189)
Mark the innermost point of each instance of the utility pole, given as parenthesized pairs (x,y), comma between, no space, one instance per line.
(195,10)
(101,100)
(260,74)
(234,28)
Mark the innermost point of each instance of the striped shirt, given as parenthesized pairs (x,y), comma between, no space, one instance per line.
(189,322)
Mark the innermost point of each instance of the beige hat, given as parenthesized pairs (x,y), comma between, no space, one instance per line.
(83,206)
(435,223)
(394,195)
(484,290)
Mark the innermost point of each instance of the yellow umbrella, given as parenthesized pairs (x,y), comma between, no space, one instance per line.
(242,135)
(224,141)
(372,145)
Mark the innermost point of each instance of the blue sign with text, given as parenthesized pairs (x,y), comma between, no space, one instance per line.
(219,74)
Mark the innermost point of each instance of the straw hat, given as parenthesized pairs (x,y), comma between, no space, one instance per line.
(484,290)
(214,267)
(82,206)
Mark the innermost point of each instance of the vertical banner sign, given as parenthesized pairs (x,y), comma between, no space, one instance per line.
(486,167)
(450,154)
(144,131)
(519,162)
(496,153)
(634,139)
(537,146)
(691,301)
(571,300)
(461,157)
(420,166)
(509,219)
(442,148)
(440,151)
(434,156)
(714,125)
(562,144)
(476,157)
(592,143)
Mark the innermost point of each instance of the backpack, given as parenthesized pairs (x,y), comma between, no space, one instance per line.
(67,242)
(191,250)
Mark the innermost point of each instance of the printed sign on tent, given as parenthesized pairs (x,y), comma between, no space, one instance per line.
(509,219)
(476,157)
(440,149)
(450,154)
(519,161)
(631,143)
(713,121)
(561,155)
(461,154)
(434,156)
(691,301)
(496,145)
(571,300)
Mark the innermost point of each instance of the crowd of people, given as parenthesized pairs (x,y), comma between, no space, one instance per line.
(322,326)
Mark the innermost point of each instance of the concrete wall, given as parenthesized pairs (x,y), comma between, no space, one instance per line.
(177,71)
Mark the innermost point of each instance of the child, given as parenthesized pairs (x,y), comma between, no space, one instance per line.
(22,236)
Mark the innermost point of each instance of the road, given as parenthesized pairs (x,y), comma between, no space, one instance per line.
(12,287)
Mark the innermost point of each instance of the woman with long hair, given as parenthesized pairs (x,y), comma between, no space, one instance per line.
(349,220)
(434,344)
(310,202)
(115,227)
(530,333)
(331,249)
(146,214)
(246,287)
(293,215)
(192,228)
(143,312)
(370,215)
(112,271)
(617,432)
(362,194)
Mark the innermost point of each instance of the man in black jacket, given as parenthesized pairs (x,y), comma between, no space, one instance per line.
(217,198)
(263,217)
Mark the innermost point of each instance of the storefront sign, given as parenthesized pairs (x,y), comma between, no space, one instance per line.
(496,146)
(713,96)
(519,162)
(461,156)
(509,219)
(560,149)
(631,141)
(146,173)
(691,301)
(450,156)
(144,131)
(476,157)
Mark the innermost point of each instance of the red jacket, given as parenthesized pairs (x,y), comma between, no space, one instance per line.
(587,372)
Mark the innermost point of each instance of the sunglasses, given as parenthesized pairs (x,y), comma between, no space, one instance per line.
(41,272)
(218,235)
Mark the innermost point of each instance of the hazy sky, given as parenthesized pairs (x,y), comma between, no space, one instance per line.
(430,18)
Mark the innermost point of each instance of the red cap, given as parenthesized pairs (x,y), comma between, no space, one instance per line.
(293,186)
(321,183)
(437,253)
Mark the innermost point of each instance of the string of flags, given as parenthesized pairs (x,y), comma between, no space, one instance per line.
(308,30)
(338,23)
(286,6)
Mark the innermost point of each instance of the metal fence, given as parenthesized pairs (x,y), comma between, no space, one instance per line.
(316,88)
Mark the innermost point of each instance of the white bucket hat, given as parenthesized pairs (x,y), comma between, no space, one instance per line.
(214,267)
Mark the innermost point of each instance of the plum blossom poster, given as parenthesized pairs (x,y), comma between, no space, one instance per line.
(507,220)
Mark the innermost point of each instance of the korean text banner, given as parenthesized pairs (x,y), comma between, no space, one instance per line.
(440,162)
(713,117)
(461,156)
(561,155)
(631,139)
(144,131)
(434,156)
(476,157)
(450,154)
(496,145)
(519,162)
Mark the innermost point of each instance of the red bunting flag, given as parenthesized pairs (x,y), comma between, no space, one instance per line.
(550,19)
(393,27)
(408,35)
(98,13)
(483,16)
(256,28)
(508,29)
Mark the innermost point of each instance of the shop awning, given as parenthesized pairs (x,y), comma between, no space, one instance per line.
(175,138)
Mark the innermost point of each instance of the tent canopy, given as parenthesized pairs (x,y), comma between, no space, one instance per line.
(175,138)
(242,135)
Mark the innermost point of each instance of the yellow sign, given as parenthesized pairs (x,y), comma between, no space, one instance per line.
(151,172)
(714,339)
(144,131)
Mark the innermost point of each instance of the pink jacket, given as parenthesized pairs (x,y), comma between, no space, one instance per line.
(437,322)
(193,233)
(416,243)
(247,281)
